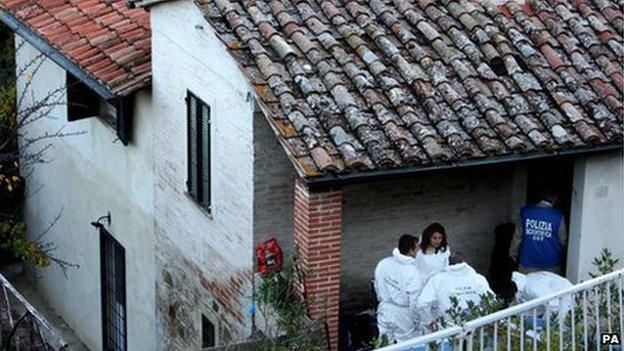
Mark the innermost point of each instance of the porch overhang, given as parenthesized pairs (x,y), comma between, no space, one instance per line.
(336,179)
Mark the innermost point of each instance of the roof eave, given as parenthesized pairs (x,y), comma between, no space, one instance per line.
(53,54)
(330,180)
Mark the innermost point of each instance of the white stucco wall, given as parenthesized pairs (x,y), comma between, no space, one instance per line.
(204,260)
(596,219)
(87,176)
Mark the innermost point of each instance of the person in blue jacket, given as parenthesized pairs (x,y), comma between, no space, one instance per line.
(543,236)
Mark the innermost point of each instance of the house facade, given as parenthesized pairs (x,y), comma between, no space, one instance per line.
(100,176)
(335,127)
(204,256)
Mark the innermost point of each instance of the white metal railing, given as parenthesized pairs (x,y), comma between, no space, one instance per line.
(47,337)
(596,308)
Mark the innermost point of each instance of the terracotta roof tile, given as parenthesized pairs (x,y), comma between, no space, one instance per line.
(104,37)
(364,85)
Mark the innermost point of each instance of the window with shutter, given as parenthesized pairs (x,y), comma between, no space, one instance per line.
(198,150)
(205,174)
(83,102)
(192,146)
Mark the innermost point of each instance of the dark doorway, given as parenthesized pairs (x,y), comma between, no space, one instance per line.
(208,333)
(113,280)
(556,175)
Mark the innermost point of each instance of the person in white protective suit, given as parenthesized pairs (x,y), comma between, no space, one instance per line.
(397,285)
(540,284)
(458,280)
(434,251)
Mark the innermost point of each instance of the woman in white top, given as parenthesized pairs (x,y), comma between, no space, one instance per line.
(434,251)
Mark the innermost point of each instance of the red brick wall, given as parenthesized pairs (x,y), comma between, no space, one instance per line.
(317,232)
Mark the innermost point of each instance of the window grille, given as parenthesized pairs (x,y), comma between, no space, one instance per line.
(113,280)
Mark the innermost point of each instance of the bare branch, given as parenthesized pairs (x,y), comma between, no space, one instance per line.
(28,84)
(52,223)
(64,265)
(30,63)
(29,146)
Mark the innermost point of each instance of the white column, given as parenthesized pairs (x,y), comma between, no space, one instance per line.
(596,216)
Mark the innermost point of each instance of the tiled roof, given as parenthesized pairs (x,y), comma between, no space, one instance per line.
(368,85)
(105,38)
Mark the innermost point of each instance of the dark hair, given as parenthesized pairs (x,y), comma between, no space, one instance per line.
(456,257)
(548,194)
(407,242)
(428,233)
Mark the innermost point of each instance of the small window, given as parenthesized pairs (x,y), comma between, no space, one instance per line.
(208,333)
(198,152)
(108,113)
(83,102)
(113,285)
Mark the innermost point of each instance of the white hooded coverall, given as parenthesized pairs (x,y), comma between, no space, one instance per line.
(458,280)
(539,284)
(397,284)
(431,263)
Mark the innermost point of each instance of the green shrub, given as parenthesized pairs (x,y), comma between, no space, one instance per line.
(12,238)
(278,297)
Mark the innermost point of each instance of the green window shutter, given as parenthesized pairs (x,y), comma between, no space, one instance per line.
(205,171)
(198,121)
(192,145)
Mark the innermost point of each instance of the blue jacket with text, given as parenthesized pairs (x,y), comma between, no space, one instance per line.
(540,245)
